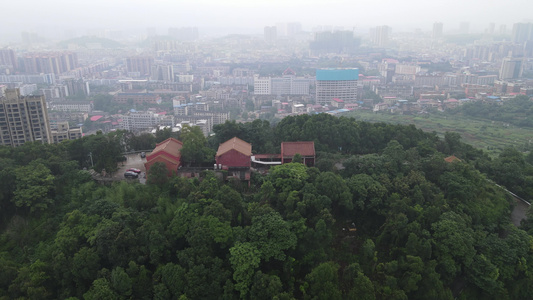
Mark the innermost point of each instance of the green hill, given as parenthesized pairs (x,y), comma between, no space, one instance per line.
(400,220)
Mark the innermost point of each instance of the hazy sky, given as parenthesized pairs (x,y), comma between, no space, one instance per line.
(64,15)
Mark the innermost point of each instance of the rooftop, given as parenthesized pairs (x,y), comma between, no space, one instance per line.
(452,158)
(96,118)
(170,146)
(337,74)
(237,144)
(302,148)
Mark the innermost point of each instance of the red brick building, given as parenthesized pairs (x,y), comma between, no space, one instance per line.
(167,152)
(305,149)
(234,155)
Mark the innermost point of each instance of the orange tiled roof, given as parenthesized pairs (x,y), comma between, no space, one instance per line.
(237,144)
(170,146)
(167,158)
(288,149)
(451,159)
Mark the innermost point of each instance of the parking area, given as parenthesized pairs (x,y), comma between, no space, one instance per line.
(132,161)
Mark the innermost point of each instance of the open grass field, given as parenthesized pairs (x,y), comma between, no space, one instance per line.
(490,136)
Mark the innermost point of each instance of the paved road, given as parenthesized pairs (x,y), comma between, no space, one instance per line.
(519,212)
(520,209)
(133,161)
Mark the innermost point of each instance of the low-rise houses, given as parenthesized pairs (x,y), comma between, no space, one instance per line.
(137,98)
(305,149)
(168,153)
(428,103)
(233,158)
(234,155)
(198,111)
(62,131)
(206,124)
(337,103)
(74,117)
(381,106)
(217,117)
(137,120)
(72,106)
(288,84)
(450,103)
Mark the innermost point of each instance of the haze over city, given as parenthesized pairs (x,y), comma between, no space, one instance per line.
(281,149)
(54,18)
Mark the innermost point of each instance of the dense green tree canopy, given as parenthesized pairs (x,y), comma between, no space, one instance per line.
(194,148)
(392,220)
(34,188)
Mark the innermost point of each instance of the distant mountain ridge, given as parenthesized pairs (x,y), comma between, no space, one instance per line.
(86,41)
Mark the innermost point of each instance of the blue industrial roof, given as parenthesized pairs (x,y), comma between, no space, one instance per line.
(336,111)
(337,74)
(189,104)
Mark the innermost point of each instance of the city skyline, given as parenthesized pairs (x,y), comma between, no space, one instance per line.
(55,17)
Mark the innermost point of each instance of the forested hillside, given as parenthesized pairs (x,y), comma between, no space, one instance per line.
(396,221)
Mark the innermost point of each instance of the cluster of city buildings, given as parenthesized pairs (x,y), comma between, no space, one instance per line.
(188,81)
(25,119)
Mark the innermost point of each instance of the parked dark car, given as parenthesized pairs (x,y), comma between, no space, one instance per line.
(134,170)
(129,174)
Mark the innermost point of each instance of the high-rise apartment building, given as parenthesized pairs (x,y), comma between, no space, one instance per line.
(492,28)
(293,28)
(341,41)
(55,92)
(140,64)
(163,72)
(50,62)
(464,28)
(270,33)
(8,59)
(437,30)
(511,68)
(503,29)
(262,85)
(522,32)
(23,119)
(77,87)
(380,35)
(184,33)
(336,83)
(288,29)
